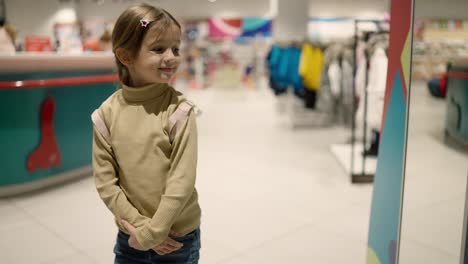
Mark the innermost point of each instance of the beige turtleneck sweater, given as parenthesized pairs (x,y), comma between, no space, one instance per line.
(140,174)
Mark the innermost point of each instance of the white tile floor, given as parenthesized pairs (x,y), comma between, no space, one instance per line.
(269,194)
(435,186)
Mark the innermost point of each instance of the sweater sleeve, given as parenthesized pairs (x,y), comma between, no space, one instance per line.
(180,185)
(105,170)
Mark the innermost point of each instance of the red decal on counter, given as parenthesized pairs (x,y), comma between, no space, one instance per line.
(47,154)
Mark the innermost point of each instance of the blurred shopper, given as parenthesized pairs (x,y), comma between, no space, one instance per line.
(105,42)
(145,145)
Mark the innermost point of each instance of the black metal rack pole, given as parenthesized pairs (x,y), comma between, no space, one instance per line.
(364,133)
(353,122)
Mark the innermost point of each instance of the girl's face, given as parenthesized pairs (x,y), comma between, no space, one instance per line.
(158,58)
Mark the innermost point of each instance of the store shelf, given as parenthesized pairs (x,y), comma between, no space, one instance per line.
(343,154)
(47,62)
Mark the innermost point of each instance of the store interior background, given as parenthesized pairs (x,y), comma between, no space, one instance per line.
(285,195)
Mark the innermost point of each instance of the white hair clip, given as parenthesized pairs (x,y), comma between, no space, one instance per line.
(144,22)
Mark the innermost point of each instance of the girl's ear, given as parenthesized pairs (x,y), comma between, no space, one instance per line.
(124,56)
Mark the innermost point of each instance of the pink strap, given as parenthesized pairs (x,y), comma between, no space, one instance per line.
(178,118)
(101,126)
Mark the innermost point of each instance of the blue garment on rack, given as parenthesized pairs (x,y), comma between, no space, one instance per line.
(274,60)
(284,70)
(277,87)
(295,79)
(283,66)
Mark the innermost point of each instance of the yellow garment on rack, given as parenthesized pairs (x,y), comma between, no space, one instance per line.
(310,67)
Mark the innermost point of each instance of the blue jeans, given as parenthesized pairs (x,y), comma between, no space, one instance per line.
(188,254)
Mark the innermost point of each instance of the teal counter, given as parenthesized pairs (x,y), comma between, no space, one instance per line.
(45,128)
(456,125)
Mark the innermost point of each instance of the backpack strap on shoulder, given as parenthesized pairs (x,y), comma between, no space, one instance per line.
(179,117)
(101,127)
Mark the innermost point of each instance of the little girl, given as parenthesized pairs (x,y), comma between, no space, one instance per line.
(145,145)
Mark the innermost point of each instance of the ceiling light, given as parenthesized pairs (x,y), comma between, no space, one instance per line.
(211,1)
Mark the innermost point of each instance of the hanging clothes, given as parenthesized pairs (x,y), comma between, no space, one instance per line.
(334,75)
(273,57)
(361,46)
(376,87)
(311,66)
(284,70)
(347,99)
(325,100)
(305,67)
(274,61)
(377,78)
(360,81)
(310,94)
(378,71)
(283,65)
(294,78)
(310,69)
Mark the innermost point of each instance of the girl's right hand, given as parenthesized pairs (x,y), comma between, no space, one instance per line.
(168,246)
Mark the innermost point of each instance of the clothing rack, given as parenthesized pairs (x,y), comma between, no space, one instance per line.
(309,118)
(290,103)
(363,176)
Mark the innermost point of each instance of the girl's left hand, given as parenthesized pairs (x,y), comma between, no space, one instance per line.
(132,241)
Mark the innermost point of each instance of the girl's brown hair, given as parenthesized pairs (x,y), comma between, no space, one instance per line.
(128,31)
